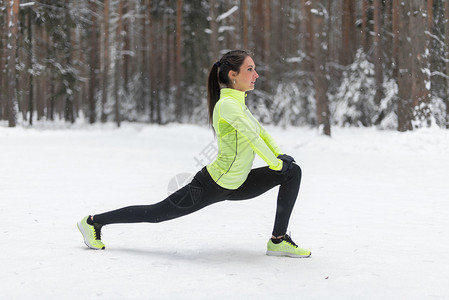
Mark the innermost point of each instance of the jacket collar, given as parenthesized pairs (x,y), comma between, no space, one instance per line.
(237,95)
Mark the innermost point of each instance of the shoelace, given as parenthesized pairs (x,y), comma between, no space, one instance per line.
(289,240)
(97,228)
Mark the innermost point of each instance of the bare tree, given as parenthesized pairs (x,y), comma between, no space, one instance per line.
(446,39)
(388,32)
(213,14)
(178,60)
(378,57)
(30,66)
(93,63)
(320,54)
(244,24)
(3,74)
(364,30)
(420,62)
(348,31)
(404,67)
(118,64)
(307,34)
(42,92)
(126,50)
(395,28)
(12,9)
(68,75)
(266,32)
(106,60)
(155,109)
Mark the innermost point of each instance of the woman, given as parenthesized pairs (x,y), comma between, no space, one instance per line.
(229,177)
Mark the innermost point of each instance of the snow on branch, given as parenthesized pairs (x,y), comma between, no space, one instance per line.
(320,11)
(27,4)
(436,73)
(296,59)
(225,28)
(442,43)
(227,14)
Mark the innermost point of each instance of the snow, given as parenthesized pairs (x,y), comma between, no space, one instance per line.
(23,5)
(372,209)
(228,13)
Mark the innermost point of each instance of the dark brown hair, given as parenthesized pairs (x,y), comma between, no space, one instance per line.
(231,61)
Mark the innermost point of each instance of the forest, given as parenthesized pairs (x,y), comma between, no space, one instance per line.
(322,63)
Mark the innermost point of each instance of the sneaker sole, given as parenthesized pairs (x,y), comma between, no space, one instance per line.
(278,253)
(80,228)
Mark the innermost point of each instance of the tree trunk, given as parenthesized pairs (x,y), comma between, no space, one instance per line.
(244,24)
(171,62)
(93,61)
(213,14)
(396,37)
(178,61)
(446,39)
(157,78)
(404,67)
(125,35)
(21,79)
(297,34)
(388,38)
(266,43)
(143,96)
(30,67)
(164,49)
(49,107)
(13,26)
(278,27)
(3,74)
(154,106)
(150,54)
(429,15)
(307,36)
(420,63)
(161,82)
(69,76)
(266,32)
(232,35)
(331,47)
(320,68)
(364,30)
(378,57)
(51,111)
(258,34)
(307,50)
(348,31)
(106,61)
(117,59)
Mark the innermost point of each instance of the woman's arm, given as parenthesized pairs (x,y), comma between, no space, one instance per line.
(271,143)
(232,112)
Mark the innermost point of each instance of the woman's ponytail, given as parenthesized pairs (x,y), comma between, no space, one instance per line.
(213,91)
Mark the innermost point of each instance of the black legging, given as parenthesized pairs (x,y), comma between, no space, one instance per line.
(203,191)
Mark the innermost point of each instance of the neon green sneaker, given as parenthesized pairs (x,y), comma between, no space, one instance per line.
(91,234)
(286,248)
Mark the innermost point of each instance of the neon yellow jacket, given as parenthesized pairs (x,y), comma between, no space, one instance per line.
(239,137)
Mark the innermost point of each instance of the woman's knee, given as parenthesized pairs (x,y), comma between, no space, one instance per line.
(296,171)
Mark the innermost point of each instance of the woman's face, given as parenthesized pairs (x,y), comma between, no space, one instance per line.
(246,78)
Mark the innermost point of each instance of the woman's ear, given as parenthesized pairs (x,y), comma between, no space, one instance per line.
(232,75)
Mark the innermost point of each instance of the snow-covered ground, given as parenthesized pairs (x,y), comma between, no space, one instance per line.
(373,209)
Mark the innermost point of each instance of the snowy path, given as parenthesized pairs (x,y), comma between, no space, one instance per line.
(373,209)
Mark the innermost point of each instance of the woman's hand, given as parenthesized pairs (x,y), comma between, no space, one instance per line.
(287,162)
